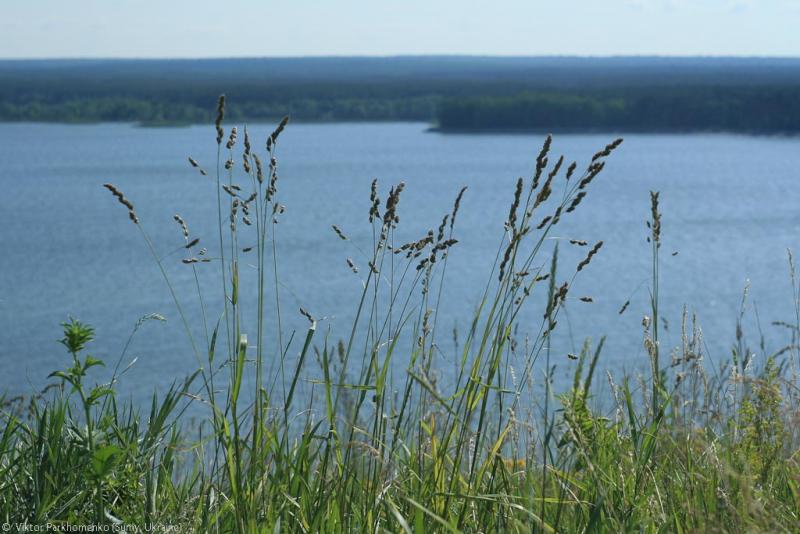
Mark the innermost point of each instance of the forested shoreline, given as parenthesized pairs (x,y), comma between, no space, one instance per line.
(452,93)
(729,109)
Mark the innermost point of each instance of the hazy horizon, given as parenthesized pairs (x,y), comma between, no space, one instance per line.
(91,29)
(409,56)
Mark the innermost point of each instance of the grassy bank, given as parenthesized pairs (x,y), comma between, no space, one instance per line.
(339,440)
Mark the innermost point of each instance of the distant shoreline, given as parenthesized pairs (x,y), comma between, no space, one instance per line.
(432,128)
(457,94)
(594,131)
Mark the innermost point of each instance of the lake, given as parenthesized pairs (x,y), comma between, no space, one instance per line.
(730,203)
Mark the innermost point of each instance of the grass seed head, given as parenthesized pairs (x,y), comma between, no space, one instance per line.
(231,139)
(124,201)
(220,118)
(589,256)
(273,138)
(375,201)
(456,206)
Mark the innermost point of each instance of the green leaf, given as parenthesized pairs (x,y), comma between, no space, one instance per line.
(98,393)
(104,459)
(91,362)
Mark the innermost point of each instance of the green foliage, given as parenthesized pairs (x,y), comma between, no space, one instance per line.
(366,437)
(670,109)
(78,458)
(760,423)
(462,93)
(76,336)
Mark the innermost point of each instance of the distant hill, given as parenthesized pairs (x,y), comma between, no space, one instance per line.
(429,88)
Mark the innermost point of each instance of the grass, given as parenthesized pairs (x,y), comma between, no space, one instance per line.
(339,440)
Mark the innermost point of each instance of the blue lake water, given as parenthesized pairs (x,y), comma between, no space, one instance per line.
(731,208)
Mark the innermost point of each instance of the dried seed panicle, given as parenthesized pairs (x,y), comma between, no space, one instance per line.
(440,234)
(576,201)
(556,168)
(456,206)
(507,255)
(547,188)
(220,118)
(512,213)
(120,197)
(307,315)
(234,210)
(593,170)
(390,216)
(196,165)
(559,297)
(544,222)
(557,215)
(608,149)
(124,201)
(571,169)
(273,138)
(541,162)
(414,248)
(259,169)
(589,256)
(375,201)
(655,215)
(272,188)
(446,244)
(184,228)
(339,232)
(231,139)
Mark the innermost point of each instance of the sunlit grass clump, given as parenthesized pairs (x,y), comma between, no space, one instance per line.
(360,430)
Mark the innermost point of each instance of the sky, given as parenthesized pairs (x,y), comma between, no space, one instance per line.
(248,28)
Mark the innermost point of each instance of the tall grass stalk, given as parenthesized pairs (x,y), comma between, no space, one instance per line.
(382,441)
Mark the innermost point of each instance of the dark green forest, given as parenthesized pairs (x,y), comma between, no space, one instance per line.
(454,93)
(732,109)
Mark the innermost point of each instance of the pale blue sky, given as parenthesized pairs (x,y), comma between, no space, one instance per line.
(200,28)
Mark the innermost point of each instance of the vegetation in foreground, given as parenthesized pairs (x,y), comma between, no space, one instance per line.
(371,449)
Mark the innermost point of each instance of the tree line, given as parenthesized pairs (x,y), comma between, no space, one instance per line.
(457,93)
(736,109)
